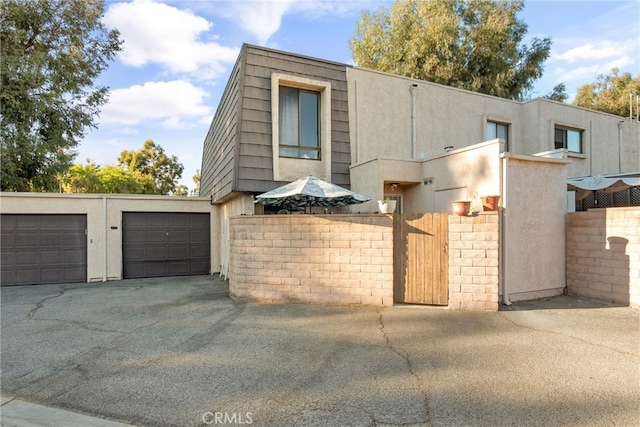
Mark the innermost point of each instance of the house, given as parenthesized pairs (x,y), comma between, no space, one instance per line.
(284,116)
(358,116)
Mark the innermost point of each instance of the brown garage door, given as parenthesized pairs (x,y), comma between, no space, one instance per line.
(43,249)
(159,244)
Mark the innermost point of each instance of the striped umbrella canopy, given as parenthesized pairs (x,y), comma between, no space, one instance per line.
(310,191)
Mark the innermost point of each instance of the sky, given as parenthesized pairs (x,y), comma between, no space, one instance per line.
(166,82)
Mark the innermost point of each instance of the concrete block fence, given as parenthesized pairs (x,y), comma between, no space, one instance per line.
(348,260)
(603,254)
(325,259)
(474,262)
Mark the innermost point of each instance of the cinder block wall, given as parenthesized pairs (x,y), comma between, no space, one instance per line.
(603,254)
(330,259)
(473,262)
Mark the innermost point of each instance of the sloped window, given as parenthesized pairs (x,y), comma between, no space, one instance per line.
(299,125)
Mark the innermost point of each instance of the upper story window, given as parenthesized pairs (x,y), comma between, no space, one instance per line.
(498,130)
(299,124)
(571,139)
(300,127)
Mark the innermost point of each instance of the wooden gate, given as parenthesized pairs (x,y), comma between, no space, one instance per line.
(420,259)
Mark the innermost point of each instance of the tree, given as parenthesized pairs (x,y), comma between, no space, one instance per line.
(559,93)
(151,161)
(469,44)
(610,93)
(117,180)
(81,179)
(196,179)
(91,178)
(52,51)
(181,190)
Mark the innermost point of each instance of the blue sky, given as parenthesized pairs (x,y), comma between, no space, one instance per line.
(177,55)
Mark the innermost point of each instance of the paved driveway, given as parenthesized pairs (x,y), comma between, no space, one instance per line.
(179,352)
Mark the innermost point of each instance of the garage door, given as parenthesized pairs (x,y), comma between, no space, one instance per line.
(159,244)
(43,249)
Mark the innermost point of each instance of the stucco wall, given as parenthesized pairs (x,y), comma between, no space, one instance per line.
(331,259)
(104,220)
(475,170)
(603,254)
(535,205)
(381,108)
(381,124)
(600,137)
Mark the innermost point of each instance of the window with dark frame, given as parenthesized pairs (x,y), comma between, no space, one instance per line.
(299,123)
(498,130)
(571,139)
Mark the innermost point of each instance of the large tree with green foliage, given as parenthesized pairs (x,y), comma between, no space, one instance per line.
(152,161)
(91,178)
(610,93)
(469,44)
(52,51)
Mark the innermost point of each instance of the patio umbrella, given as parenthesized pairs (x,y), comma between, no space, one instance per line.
(310,191)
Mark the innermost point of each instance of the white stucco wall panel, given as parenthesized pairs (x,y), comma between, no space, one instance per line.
(534,227)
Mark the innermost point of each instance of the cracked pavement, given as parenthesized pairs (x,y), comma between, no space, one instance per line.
(178,351)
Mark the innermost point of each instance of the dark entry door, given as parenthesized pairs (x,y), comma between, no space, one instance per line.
(159,244)
(43,249)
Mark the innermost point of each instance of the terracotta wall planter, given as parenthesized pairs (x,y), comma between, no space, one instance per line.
(490,203)
(461,207)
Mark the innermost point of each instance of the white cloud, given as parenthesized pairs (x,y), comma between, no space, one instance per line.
(158,33)
(167,101)
(588,73)
(174,122)
(263,18)
(595,51)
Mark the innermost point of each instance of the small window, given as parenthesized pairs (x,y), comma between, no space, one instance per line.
(299,125)
(498,130)
(571,139)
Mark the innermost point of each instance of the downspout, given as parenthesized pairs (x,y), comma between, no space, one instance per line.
(413,89)
(355,90)
(590,147)
(620,123)
(503,228)
(104,238)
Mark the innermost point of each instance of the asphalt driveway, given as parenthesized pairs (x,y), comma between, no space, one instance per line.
(179,352)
